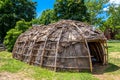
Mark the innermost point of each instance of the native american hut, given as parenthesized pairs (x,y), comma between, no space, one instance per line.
(65,45)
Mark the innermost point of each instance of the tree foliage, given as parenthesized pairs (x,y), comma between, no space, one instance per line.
(114,12)
(113,22)
(12,34)
(71,9)
(95,8)
(47,16)
(13,10)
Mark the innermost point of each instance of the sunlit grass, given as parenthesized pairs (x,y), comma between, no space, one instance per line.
(114,46)
(114,59)
(15,66)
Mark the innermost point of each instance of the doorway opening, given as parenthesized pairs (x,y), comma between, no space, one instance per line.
(97,53)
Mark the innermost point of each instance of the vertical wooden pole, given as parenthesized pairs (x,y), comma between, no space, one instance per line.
(42,55)
(106,52)
(23,50)
(90,61)
(85,41)
(104,47)
(13,51)
(31,54)
(57,47)
(43,52)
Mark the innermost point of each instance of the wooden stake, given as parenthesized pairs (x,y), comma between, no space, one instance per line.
(56,53)
(43,52)
(90,61)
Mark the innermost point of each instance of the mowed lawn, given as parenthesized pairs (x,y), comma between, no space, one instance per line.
(11,69)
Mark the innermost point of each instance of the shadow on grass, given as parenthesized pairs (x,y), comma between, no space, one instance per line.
(112,68)
(105,69)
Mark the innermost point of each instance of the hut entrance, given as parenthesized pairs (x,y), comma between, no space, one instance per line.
(96,52)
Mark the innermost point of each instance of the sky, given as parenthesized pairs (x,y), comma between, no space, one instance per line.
(48,4)
(43,5)
(115,1)
(111,1)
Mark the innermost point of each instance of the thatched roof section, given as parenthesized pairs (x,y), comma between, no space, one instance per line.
(71,31)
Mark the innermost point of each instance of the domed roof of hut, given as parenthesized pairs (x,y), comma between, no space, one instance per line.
(66,44)
(71,31)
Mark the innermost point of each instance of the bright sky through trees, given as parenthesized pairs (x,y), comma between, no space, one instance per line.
(48,4)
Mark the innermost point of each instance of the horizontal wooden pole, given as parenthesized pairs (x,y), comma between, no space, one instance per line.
(66,67)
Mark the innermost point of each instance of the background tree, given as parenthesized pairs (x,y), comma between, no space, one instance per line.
(47,16)
(13,10)
(95,8)
(71,9)
(12,34)
(113,22)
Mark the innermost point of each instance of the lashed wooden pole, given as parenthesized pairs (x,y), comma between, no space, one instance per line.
(43,52)
(56,53)
(90,61)
(106,50)
(31,54)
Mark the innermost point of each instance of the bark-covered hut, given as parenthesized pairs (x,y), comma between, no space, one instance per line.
(65,45)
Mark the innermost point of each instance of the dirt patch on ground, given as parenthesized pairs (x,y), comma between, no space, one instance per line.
(115,54)
(108,77)
(14,76)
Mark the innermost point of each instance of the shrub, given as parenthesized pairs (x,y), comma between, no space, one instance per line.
(12,34)
(117,36)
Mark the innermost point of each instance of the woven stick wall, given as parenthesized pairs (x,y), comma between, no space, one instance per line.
(61,46)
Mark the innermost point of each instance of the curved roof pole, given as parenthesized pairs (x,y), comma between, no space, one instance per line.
(43,52)
(105,51)
(90,61)
(31,54)
(14,48)
(57,47)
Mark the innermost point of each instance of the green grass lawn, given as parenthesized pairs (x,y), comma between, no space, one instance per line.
(8,64)
(114,46)
(114,57)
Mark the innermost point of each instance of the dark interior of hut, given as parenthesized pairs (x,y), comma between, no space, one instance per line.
(96,52)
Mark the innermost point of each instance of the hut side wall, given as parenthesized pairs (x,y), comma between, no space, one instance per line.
(70,55)
(74,56)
